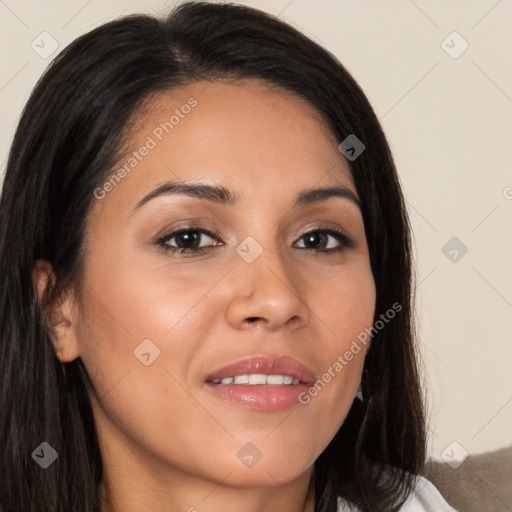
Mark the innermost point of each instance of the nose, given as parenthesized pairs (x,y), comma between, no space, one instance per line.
(267,294)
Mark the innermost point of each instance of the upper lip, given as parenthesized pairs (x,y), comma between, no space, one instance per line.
(266,365)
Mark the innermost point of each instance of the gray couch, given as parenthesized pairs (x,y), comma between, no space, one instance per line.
(482,483)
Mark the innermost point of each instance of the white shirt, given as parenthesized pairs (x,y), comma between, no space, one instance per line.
(425,498)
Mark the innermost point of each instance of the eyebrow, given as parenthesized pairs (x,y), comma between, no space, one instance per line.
(221,195)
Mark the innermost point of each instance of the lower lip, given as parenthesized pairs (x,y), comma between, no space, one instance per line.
(260,397)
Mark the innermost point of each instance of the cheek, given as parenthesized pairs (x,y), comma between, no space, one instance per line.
(346,308)
(129,312)
(346,304)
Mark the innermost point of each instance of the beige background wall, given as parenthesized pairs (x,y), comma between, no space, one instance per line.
(448,117)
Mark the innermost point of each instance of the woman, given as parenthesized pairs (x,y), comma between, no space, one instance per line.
(207,298)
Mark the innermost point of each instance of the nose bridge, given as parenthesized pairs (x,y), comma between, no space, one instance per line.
(262,242)
(263,250)
(266,263)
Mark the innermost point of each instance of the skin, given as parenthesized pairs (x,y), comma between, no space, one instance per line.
(167,442)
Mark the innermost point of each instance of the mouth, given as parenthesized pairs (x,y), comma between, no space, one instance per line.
(261,383)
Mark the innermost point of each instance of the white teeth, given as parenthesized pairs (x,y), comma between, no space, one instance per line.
(258,379)
(279,379)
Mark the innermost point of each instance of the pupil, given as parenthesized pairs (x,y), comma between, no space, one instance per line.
(311,238)
(186,240)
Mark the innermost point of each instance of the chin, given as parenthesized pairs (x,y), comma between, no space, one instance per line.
(272,474)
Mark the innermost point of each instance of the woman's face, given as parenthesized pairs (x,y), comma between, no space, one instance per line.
(261,275)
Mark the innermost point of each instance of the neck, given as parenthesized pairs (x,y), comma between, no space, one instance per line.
(192,495)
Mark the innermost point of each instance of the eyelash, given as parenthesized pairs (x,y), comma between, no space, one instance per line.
(341,237)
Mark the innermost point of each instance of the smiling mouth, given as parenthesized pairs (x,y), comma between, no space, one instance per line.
(261,383)
(263,371)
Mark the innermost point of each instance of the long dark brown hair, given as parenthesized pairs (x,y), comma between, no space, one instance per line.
(66,144)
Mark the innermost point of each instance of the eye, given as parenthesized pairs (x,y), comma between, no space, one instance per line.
(188,240)
(326,240)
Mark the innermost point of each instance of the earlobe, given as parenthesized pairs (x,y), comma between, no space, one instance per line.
(58,316)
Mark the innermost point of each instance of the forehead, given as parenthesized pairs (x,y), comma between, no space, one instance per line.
(244,134)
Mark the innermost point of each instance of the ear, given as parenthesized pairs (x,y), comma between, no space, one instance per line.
(60,317)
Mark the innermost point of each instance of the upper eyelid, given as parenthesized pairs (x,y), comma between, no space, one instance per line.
(185,229)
